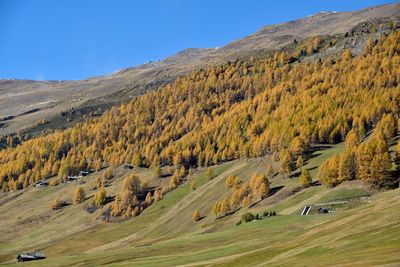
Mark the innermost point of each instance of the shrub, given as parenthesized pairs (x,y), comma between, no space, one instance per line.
(149,198)
(99,181)
(230,181)
(247,217)
(165,189)
(100,197)
(196,215)
(239,223)
(116,210)
(305,178)
(108,175)
(78,196)
(193,185)
(53,182)
(216,208)
(157,195)
(56,204)
(41,122)
(210,173)
(173,182)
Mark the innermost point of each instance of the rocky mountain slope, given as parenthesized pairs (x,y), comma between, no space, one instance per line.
(24,102)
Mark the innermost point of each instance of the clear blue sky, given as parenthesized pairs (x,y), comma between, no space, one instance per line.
(76,39)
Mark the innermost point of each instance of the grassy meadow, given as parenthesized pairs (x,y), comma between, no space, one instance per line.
(165,234)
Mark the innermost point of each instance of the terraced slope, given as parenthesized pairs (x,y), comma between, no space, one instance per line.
(165,234)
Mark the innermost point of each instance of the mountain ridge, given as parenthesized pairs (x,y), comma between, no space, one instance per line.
(27,101)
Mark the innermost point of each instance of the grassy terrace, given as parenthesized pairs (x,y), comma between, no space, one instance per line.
(290,240)
(165,235)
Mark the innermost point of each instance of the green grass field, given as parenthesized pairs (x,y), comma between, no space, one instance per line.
(165,235)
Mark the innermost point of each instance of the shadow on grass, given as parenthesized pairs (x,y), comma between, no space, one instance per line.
(298,173)
(201,218)
(65,204)
(316,183)
(109,200)
(272,192)
(300,188)
(165,175)
(311,152)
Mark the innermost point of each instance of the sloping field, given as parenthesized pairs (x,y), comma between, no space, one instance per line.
(165,235)
(350,238)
